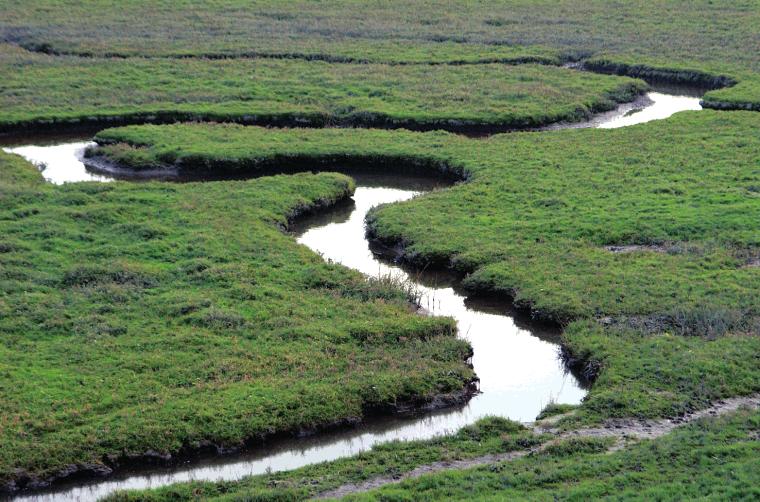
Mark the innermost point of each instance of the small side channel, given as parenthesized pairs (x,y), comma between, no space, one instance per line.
(660,102)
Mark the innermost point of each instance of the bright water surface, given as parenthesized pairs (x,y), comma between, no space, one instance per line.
(517,361)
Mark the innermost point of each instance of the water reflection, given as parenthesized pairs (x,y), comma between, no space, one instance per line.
(659,103)
(662,107)
(519,373)
(60,163)
(515,359)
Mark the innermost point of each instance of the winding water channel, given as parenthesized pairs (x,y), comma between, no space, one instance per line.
(516,360)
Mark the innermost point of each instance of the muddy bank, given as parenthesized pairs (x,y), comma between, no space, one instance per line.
(682,77)
(113,463)
(634,248)
(715,104)
(158,117)
(204,168)
(582,363)
(367,120)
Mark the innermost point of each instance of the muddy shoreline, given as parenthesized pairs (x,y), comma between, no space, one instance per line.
(651,74)
(315,121)
(113,464)
(205,170)
(728,105)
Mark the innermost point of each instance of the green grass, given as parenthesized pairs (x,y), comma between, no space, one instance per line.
(163,317)
(704,36)
(487,436)
(712,459)
(702,30)
(17,172)
(555,409)
(41,91)
(661,374)
(145,322)
(536,227)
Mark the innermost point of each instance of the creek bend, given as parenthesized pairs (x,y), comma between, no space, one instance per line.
(516,360)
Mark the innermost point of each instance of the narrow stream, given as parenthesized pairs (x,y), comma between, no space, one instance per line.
(519,372)
(516,360)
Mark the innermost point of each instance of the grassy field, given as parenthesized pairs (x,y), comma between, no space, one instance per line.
(663,372)
(704,36)
(156,319)
(544,242)
(137,318)
(44,91)
(694,30)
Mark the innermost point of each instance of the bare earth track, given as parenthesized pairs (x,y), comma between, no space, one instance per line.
(621,430)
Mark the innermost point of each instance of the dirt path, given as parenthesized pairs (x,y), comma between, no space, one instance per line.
(620,429)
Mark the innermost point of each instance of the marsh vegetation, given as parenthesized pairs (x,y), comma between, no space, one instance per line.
(150,321)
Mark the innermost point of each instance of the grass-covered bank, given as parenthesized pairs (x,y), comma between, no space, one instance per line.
(41,91)
(140,323)
(392,52)
(489,436)
(715,458)
(538,228)
(663,372)
(729,88)
(664,74)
